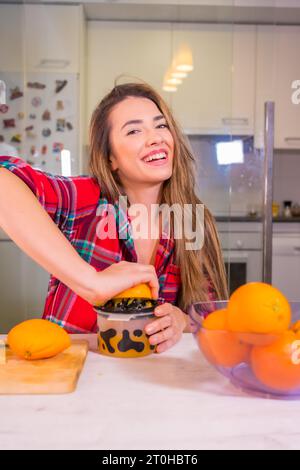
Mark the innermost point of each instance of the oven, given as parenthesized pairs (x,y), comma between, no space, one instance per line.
(242,252)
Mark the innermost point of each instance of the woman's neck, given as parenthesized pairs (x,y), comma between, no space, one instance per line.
(150,220)
(144,195)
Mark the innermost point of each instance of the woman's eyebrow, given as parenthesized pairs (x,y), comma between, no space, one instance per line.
(139,121)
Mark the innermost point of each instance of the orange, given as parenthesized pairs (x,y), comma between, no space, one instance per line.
(138,291)
(296,327)
(216,320)
(221,347)
(258,339)
(258,308)
(37,339)
(278,364)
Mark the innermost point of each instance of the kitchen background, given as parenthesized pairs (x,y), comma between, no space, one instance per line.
(215,63)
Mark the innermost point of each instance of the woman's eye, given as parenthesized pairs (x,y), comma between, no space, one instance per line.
(133,130)
(165,125)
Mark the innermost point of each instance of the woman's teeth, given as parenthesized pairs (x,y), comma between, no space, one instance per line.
(157,156)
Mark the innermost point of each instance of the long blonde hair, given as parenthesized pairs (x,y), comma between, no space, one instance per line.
(196,266)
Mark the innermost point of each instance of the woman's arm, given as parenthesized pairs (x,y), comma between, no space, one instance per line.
(32,229)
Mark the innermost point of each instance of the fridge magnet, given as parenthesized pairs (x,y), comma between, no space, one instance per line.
(36,101)
(17,138)
(15,93)
(2,92)
(57,147)
(31,135)
(3,108)
(59,105)
(46,116)
(60,125)
(36,85)
(21,115)
(60,84)
(30,162)
(33,151)
(7,123)
(69,126)
(29,128)
(44,149)
(46,132)
(32,116)
(44,162)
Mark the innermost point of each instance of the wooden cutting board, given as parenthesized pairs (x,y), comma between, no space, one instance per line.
(58,374)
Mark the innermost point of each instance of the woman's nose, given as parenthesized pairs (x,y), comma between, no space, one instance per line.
(153,137)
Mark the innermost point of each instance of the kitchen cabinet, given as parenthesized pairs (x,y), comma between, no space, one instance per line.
(52,35)
(23,286)
(46,38)
(278,65)
(286,259)
(11,51)
(124,51)
(218,95)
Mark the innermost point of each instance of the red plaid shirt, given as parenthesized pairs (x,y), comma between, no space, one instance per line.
(72,203)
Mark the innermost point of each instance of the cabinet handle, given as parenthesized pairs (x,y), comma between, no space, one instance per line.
(297,249)
(235,121)
(290,139)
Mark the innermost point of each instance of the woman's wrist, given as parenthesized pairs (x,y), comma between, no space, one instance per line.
(85,283)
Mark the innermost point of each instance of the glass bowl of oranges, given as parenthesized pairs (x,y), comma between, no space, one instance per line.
(253,339)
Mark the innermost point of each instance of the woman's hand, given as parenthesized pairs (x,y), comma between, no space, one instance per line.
(103,285)
(167,329)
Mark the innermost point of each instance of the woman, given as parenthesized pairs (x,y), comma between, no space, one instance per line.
(58,225)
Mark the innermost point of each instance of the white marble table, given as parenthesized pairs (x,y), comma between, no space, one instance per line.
(170,401)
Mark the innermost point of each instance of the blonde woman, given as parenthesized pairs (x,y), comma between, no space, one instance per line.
(137,151)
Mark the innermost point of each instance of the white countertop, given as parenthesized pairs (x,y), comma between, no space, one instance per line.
(170,401)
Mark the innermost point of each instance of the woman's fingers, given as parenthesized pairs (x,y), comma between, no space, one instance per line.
(127,274)
(152,280)
(162,336)
(167,329)
(158,325)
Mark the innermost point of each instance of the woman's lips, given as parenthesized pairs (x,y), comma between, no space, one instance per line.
(160,162)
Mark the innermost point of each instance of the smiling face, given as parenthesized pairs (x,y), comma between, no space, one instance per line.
(142,145)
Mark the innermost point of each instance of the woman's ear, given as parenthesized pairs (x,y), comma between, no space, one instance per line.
(112,163)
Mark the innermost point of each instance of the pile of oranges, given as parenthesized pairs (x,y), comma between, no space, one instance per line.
(255,328)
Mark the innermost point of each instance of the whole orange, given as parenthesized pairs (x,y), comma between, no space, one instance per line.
(216,320)
(257,307)
(278,364)
(296,327)
(221,347)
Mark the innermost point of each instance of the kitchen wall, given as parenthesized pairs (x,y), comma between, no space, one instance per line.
(287,176)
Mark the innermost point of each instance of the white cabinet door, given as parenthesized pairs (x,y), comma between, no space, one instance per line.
(11,50)
(218,95)
(12,305)
(287,114)
(23,286)
(278,65)
(52,38)
(125,51)
(35,285)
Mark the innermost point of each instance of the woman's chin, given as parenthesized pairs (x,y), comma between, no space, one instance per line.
(159,176)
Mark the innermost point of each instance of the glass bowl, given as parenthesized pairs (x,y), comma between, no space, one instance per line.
(250,360)
(122,333)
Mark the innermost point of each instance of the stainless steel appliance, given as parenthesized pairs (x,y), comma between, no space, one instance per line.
(242,252)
